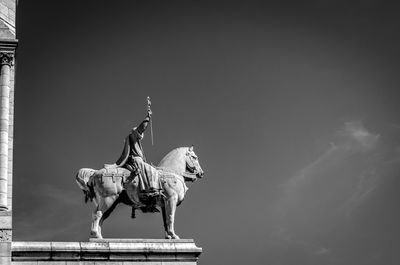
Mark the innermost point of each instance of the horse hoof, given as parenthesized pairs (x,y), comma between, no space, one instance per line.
(95,235)
(168,237)
(173,236)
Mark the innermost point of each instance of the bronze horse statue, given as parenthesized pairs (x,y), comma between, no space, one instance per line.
(108,187)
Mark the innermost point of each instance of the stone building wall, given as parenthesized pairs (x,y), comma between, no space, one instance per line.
(8,44)
(7,13)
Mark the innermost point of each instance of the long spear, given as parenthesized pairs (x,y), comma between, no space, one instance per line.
(151,122)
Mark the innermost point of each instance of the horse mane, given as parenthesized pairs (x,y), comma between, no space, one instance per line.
(171,155)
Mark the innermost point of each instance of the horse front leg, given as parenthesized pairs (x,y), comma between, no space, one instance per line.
(170,208)
(164,216)
(95,229)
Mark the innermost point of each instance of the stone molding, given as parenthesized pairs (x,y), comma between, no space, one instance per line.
(7,51)
(5,235)
(7,58)
(144,250)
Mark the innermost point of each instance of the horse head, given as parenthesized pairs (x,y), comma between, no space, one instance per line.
(184,162)
(193,170)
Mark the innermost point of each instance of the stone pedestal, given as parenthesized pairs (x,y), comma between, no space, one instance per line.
(5,237)
(107,251)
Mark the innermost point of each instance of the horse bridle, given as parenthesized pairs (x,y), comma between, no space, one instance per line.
(191,175)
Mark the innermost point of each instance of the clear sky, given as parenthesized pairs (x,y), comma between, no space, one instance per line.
(293,108)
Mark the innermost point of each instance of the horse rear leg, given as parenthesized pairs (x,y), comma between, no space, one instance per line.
(97,217)
(94,231)
(107,212)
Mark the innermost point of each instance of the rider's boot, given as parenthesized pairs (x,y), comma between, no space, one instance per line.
(153,192)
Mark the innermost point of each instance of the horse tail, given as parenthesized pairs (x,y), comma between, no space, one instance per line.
(83,179)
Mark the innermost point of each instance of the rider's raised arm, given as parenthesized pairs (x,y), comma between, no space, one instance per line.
(142,127)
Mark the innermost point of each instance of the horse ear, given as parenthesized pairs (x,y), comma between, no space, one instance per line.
(191,148)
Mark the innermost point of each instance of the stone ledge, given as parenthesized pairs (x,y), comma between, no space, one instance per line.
(5,220)
(148,250)
(141,240)
(8,45)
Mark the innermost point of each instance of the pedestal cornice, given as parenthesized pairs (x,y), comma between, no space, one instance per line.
(145,250)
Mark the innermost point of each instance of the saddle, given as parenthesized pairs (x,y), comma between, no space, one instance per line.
(115,172)
(148,198)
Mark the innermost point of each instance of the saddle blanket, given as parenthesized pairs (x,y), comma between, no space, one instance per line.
(114,172)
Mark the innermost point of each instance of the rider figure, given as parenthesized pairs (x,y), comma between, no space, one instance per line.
(133,159)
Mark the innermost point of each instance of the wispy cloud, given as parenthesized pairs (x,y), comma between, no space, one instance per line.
(366,183)
(282,235)
(29,227)
(326,160)
(53,210)
(354,136)
(61,196)
(342,177)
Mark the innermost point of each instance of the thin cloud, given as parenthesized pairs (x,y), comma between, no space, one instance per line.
(350,139)
(322,251)
(357,138)
(59,195)
(28,227)
(54,204)
(367,183)
(281,235)
(394,158)
(328,158)
(342,177)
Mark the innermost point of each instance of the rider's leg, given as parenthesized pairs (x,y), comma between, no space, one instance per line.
(153,177)
(139,164)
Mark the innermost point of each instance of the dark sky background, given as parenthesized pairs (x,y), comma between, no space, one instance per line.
(293,108)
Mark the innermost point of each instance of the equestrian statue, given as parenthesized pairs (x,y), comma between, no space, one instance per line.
(134,182)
